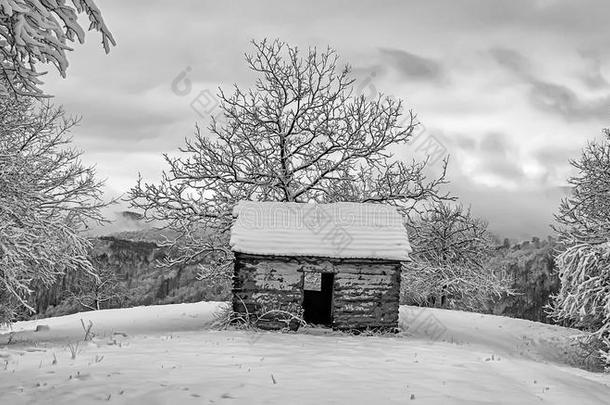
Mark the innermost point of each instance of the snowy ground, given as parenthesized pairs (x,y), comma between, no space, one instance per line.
(169,354)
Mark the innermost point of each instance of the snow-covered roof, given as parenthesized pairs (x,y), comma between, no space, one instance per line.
(338,230)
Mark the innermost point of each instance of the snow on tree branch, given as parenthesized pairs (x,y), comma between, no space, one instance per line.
(40,31)
(46,197)
(583,227)
(450,255)
(298,135)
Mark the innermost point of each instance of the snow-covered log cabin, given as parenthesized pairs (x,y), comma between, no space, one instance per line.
(335,264)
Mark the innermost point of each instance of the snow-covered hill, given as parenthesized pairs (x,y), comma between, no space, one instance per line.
(169,354)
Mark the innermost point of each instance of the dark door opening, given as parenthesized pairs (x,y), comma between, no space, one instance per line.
(317,305)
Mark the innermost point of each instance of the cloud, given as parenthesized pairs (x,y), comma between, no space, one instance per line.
(495,143)
(503,168)
(464,142)
(562,100)
(413,66)
(489,159)
(517,213)
(594,79)
(592,76)
(480,177)
(498,157)
(555,163)
(551,97)
(555,156)
(130,115)
(511,60)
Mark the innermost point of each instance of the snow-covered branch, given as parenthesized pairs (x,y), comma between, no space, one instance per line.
(40,31)
(583,226)
(450,265)
(46,197)
(298,135)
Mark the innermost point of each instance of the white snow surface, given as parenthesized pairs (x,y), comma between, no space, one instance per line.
(171,355)
(338,230)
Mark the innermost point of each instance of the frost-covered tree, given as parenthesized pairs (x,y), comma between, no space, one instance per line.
(41,31)
(451,249)
(100,290)
(583,227)
(46,197)
(298,135)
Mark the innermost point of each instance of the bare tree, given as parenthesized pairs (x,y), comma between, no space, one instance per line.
(583,227)
(39,31)
(450,267)
(99,291)
(46,196)
(299,135)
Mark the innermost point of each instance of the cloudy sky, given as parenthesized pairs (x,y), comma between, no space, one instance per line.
(510,90)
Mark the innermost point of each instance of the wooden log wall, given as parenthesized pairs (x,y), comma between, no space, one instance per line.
(365,292)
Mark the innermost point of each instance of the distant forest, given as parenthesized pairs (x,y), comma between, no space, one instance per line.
(128,262)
